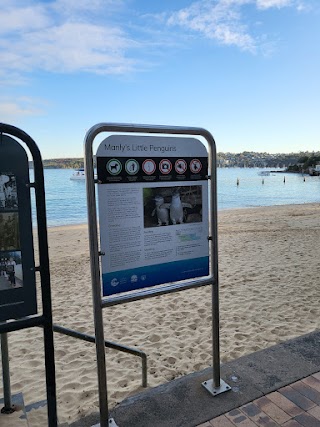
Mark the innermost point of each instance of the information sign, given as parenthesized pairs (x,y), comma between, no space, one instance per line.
(153,211)
(17,276)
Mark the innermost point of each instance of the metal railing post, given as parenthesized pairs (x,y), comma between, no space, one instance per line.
(108,344)
(8,408)
(95,283)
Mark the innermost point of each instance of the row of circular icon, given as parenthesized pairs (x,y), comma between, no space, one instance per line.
(133,279)
(132,167)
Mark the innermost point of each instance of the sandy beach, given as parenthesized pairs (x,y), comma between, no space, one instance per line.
(269,293)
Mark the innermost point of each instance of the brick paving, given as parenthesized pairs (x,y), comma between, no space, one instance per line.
(296,405)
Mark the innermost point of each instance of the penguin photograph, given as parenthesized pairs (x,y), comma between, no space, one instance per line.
(165,206)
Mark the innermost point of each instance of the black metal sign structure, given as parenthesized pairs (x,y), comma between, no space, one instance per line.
(17,275)
(17,285)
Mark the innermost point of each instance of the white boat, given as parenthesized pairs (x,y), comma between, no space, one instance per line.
(78,174)
(264,173)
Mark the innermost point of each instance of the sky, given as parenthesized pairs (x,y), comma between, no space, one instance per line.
(248,71)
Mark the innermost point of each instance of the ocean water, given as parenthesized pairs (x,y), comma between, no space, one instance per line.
(66,199)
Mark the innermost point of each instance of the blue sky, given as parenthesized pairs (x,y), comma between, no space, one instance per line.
(246,70)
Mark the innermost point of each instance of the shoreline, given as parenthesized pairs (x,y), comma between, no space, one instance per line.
(82,224)
(269,275)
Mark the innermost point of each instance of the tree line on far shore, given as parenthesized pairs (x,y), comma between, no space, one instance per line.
(68,163)
(305,162)
(294,162)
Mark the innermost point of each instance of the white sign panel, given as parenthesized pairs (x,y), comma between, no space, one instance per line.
(153,211)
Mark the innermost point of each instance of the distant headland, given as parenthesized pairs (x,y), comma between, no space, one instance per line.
(295,162)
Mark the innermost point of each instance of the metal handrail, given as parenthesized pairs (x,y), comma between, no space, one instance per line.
(108,344)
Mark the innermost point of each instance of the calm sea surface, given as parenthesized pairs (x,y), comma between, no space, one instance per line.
(66,199)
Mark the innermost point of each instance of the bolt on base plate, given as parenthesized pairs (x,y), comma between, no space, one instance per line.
(208,385)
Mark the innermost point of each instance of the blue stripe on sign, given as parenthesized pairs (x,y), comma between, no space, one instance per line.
(143,277)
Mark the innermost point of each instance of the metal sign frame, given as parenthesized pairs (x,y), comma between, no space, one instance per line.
(147,184)
(45,319)
(214,386)
(18,300)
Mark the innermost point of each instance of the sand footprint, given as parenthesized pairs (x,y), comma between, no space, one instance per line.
(154,338)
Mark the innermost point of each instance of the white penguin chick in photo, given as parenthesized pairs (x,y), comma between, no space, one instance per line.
(162,210)
(176,208)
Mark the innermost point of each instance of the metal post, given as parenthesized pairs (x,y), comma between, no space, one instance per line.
(215,336)
(8,408)
(95,280)
(45,289)
(215,285)
(215,385)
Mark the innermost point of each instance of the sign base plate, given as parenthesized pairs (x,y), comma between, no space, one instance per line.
(208,385)
(112,423)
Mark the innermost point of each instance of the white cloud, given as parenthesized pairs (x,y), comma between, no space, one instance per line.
(20,107)
(266,4)
(74,7)
(218,20)
(59,36)
(224,20)
(16,20)
(66,36)
(73,47)
(299,5)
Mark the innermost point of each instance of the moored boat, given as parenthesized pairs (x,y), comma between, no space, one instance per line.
(314,171)
(78,174)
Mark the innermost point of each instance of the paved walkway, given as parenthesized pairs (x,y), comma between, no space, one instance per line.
(296,405)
